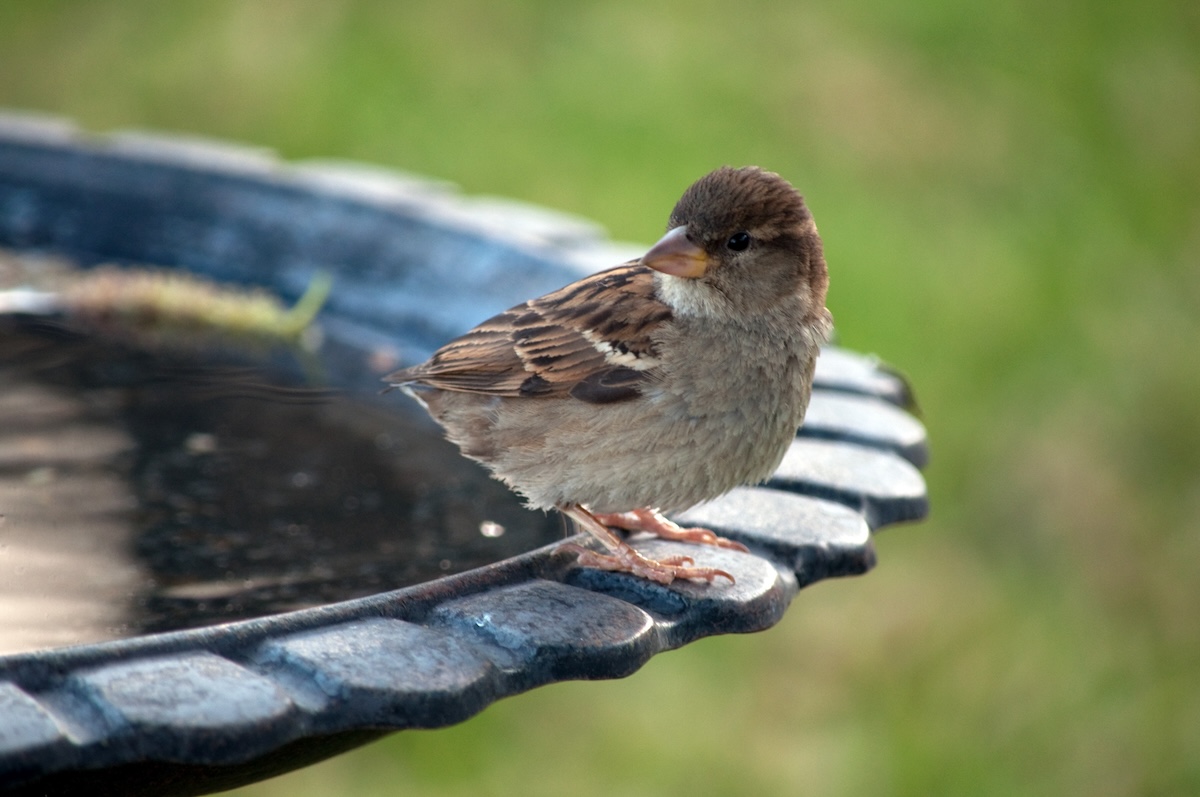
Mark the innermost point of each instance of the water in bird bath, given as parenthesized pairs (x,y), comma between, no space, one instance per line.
(152,489)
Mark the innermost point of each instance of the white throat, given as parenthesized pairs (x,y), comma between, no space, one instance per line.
(690,297)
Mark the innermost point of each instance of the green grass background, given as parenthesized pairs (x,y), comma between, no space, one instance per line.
(1010,199)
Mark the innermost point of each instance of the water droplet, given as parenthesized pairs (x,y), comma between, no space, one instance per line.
(200,443)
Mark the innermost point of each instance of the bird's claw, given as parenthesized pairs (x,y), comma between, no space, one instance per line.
(627,560)
(653,522)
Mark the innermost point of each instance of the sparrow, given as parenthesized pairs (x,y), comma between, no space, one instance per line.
(653,386)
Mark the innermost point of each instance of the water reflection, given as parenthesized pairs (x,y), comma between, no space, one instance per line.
(148,491)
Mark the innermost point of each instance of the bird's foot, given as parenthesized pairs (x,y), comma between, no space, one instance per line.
(626,559)
(653,521)
(623,558)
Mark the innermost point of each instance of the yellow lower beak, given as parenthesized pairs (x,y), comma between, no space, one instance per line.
(674,254)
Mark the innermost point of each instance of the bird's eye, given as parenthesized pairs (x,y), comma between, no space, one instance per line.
(739,241)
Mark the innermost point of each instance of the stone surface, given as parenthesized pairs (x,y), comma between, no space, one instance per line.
(847,372)
(813,537)
(387,672)
(543,630)
(26,728)
(868,421)
(192,706)
(883,486)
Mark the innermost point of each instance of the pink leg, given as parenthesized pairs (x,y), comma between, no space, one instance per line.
(652,521)
(625,559)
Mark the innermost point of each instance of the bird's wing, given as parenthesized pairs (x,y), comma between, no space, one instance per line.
(591,340)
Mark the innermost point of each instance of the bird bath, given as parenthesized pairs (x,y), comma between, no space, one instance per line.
(219,563)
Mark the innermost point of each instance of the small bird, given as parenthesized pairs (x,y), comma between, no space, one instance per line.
(652,386)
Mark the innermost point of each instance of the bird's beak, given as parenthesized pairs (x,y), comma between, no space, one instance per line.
(674,254)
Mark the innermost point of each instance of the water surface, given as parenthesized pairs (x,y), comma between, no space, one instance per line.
(150,488)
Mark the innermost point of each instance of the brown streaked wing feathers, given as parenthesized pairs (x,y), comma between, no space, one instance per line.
(539,348)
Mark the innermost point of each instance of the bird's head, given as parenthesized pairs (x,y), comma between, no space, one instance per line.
(739,241)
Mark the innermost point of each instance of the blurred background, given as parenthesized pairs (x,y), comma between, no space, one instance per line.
(1009,195)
